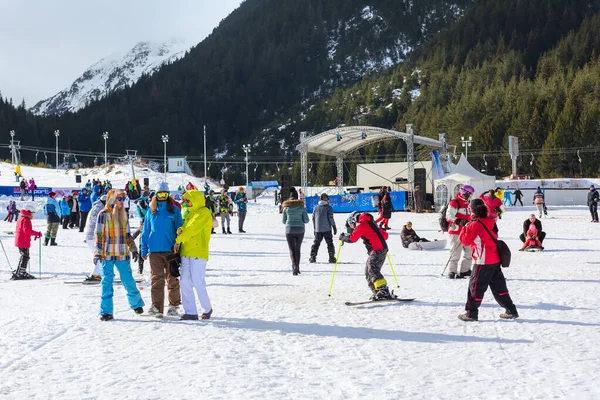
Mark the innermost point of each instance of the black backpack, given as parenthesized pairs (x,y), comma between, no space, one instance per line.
(444,225)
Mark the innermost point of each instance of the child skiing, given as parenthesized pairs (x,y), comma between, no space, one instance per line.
(375,241)
(23,236)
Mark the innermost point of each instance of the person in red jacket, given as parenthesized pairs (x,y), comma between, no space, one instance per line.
(481,234)
(493,203)
(458,215)
(374,239)
(23,241)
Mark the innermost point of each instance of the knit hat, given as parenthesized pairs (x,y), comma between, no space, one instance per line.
(51,194)
(29,207)
(162,187)
(241,189)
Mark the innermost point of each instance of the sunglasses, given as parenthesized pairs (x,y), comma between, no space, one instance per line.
(120,198)
(162,195)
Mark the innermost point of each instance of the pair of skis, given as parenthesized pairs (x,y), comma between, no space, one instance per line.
(358,303)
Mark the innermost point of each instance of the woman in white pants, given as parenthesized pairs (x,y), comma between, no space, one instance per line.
(192,239)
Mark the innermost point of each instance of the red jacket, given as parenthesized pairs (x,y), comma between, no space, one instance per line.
(492,203)
(24,230)
(457,214)
(483,247)
(373,236)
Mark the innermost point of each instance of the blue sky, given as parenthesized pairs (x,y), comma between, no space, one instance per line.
(45,45)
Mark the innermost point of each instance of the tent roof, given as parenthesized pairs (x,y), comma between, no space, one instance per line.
(466,170)
(326,143)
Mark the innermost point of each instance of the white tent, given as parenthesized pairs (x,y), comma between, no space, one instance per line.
(462,174)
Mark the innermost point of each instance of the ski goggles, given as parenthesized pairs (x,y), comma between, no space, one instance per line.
(162,195)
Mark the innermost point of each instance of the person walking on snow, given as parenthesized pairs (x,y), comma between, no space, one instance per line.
(113,245)
(481,234)
(192,241)
(32,188)
(90,237)
(458,215)
(294,216)
(53,214)
(539,201)
(23,188)
(11,211)
(224,203)
(323,224)
(74,204)
(493,203)
(242,202)
(518,196)
(85,205)
(65,210)
(507,197)
(375,241)
(23,235)
(592,202)
(158,238)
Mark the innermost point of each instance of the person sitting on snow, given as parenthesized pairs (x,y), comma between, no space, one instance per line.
(532,220)
(408,235)
(531,240)
(375,241)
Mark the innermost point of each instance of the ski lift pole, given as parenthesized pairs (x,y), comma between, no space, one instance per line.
(393,272)
(335,267)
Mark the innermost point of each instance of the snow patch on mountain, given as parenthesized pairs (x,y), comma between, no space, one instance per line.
(112,73)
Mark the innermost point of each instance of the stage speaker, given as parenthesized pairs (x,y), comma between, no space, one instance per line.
(77,178)
(285,183)
(421,179)
(147,182)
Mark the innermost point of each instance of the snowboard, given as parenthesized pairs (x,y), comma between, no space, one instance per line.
(533,249)
(435,245)
(358,303)
(93,283)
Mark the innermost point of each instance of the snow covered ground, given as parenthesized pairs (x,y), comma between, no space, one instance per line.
(274,335)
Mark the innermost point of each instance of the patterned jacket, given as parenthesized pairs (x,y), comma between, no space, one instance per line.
(113,240)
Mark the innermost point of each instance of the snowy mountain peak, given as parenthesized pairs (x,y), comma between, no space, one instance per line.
(112,73)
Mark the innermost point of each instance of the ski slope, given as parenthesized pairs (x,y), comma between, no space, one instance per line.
(274,335)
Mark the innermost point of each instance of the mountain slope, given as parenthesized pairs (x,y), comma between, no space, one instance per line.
(110,74)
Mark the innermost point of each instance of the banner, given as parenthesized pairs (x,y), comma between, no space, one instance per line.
(15,191)
(437,170)
(348,203)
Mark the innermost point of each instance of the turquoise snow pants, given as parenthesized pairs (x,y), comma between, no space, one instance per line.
(108,275)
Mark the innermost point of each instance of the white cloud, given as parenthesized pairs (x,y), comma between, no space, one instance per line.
(45,45)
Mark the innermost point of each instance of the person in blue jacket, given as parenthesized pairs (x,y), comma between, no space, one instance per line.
(242,202)
(85,205)
(66,211)
(162,221)
(53,214)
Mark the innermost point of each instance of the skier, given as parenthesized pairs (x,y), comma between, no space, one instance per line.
(480,233)
(539,201)
(507,197)
(23,235)
(113,245)
(518,196)
(224,203)
(493,203)
(158,238)
(323,224)
(458,215)
(375,241)
(408,235)
(532,220)
(193,239)
(592,202)
(85,205)
(53,214)
(242,202)
(90,236)
(294,216)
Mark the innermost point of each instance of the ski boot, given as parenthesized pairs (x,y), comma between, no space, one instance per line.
(383,293)
(464,274)
(92,279)
(21,276)
(46,239)
(332,259)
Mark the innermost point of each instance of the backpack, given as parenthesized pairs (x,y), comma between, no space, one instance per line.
(503,250)
(444,225)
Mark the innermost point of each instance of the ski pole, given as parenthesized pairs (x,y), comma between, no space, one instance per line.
(5,255)
(40,258)
(335,267)
(446,266)
(393,273)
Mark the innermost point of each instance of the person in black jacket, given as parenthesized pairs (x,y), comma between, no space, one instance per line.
(323,224)
(408,235)
(518,196)
(592,202)
(538,224)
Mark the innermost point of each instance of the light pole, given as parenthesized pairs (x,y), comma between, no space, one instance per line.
(165,139)
(466,143)
(105,137)
(246,149)
(205,155)
(12,146)
(57,134)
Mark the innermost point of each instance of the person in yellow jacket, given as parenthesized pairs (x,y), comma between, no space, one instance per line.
(193,239)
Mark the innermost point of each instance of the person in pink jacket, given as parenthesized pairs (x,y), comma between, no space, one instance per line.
(23,236)
(493,204)
(32,188)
